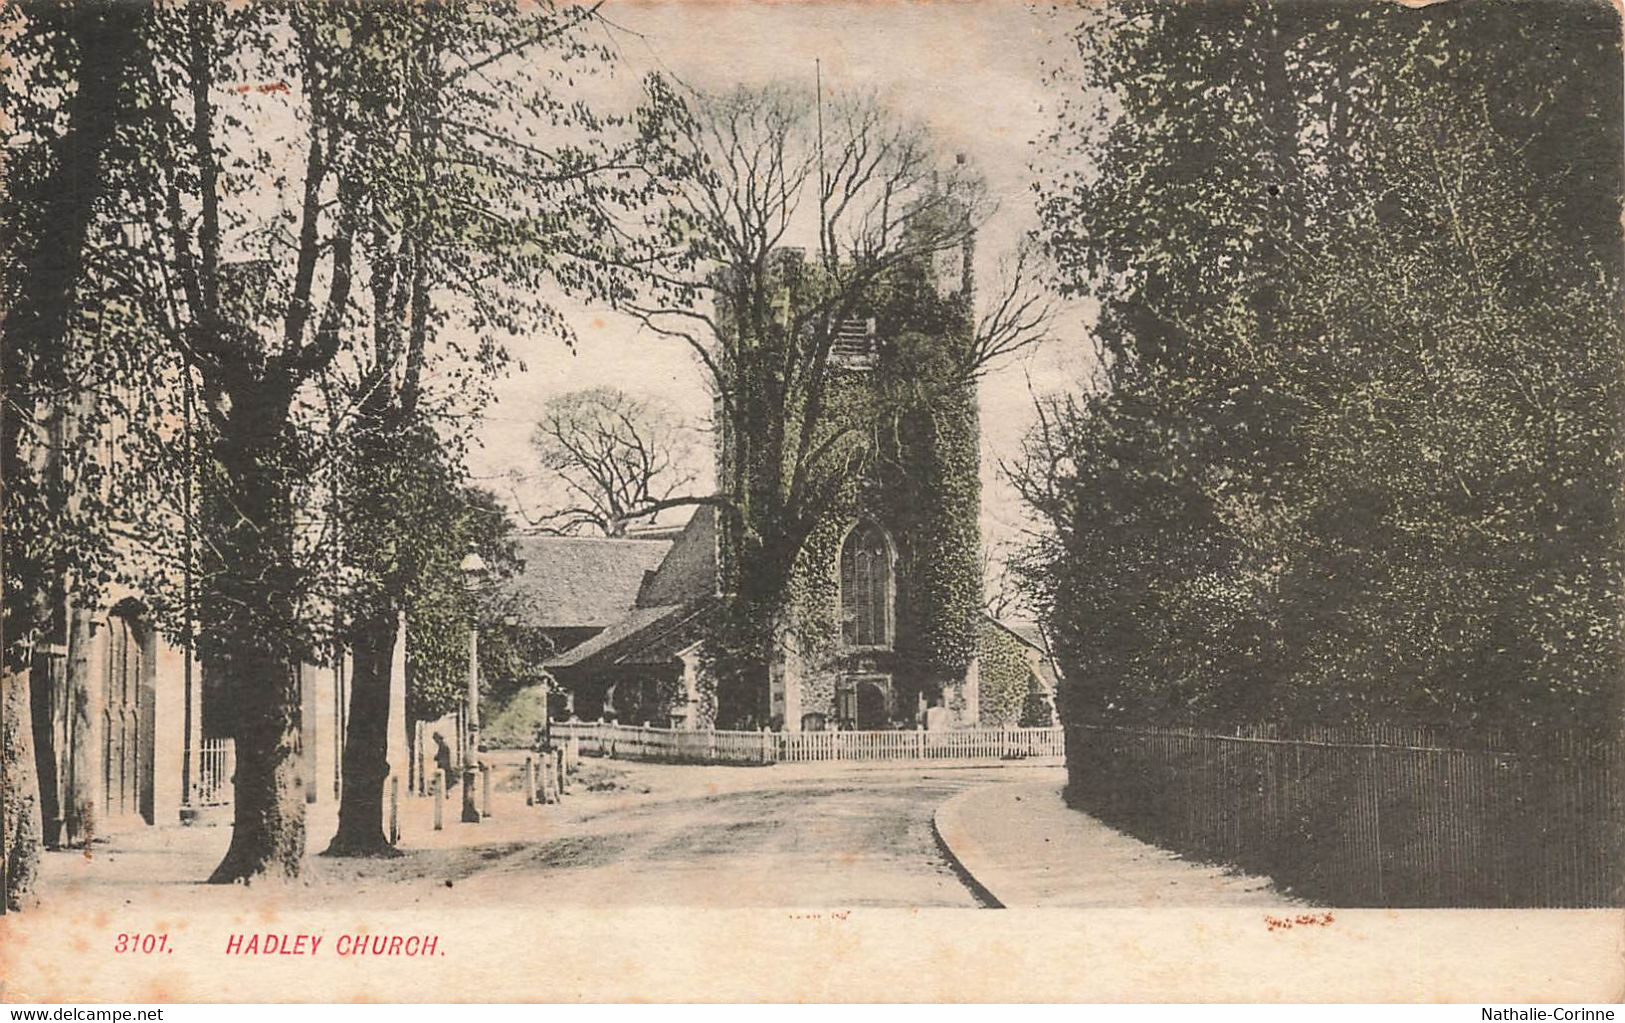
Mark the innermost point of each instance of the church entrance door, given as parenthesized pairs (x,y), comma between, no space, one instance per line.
(871,705)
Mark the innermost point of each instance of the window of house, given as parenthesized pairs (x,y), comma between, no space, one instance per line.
(866,586)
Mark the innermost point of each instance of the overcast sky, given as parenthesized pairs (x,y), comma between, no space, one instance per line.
(971,71)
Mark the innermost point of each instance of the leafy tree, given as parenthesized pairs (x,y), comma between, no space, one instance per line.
(440,608)
(1355,452)
(274,165)
(402,185)
(258,335)
(70,84)
(466,213)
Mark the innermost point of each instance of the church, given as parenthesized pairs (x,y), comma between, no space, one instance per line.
(884,600)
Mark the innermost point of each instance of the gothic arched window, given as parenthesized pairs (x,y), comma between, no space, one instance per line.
(866,587)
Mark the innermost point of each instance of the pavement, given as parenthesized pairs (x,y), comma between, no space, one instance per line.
(1021,847)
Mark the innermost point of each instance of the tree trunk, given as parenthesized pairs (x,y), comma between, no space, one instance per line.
(755,625)
(268,828)
(251,629)
(366,749)
(46,689)
(20,836)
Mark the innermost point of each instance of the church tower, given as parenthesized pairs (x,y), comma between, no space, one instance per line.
(884,594)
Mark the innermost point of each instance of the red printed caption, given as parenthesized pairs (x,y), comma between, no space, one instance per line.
(1286,923)
(386,945)
(142,944)
(263,87)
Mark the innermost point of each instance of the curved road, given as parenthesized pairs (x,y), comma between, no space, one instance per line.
(630,835)
(774,837)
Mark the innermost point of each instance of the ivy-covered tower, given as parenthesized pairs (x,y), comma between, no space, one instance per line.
(878,619)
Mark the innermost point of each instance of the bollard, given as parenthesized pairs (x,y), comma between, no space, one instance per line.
(485,789)
(418,788)
(530,777)
(564,781)
(547,778)
(394,809)
(439,800)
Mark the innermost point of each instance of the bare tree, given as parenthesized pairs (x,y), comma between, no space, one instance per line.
(753,172)
(610,457)
(787,218)
(1002,594)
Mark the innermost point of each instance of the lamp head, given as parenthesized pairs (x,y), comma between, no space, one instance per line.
(472,567)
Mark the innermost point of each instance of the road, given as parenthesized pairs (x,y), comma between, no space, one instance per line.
(630,835)
(764,838)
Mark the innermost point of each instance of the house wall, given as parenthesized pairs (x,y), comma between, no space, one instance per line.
(399,751)
(89,741)
(692,711)
(323,704)
(166,756)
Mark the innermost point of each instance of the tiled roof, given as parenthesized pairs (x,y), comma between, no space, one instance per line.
(671,606)
(646,636)
(689,570)
(575,581)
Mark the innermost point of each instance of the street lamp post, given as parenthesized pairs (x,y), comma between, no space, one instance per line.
(473,566)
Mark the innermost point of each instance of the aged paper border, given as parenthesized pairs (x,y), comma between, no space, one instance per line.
(63,953)
(929,955)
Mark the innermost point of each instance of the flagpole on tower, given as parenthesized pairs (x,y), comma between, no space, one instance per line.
(823,187)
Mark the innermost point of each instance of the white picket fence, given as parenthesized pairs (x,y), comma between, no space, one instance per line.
(216,767)
(636,742)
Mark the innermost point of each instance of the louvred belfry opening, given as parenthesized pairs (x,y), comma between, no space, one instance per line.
(854,344)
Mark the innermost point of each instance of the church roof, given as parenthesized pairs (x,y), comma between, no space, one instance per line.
(646,637)
(669,610)
(1031,636)
(1028,632)
(580,581)
(689,570)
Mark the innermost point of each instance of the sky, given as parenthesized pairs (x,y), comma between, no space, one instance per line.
(970,71)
